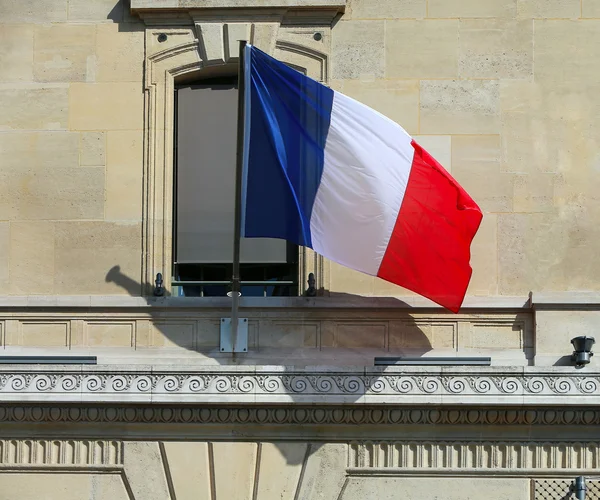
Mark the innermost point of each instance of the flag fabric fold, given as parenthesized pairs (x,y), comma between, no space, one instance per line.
(327,172)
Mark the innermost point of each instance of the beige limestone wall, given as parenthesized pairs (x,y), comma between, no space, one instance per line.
(504,93)
(71,145)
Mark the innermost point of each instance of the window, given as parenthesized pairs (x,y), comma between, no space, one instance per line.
(204,184)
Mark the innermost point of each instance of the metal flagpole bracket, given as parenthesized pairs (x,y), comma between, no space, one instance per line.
(227,341)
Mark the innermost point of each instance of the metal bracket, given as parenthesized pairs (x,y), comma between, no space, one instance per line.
(241,344)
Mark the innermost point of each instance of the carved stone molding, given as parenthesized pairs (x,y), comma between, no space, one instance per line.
(264,385)
(395,458)
(59,453)
(296,415)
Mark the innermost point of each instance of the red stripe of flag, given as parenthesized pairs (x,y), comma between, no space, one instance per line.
(429,250)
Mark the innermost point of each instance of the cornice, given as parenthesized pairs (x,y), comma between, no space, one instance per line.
(489,386)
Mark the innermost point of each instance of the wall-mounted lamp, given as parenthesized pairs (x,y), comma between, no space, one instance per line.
(159,289)
(311,291)
(583,350)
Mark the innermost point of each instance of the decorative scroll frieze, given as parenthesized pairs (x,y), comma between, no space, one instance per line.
(281,385)
(476,456)
(70,453)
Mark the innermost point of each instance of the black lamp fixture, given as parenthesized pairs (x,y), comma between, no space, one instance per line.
(159,289)
(583,350)
(311,291)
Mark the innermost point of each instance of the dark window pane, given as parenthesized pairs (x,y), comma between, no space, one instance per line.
(206,155)
(205,146)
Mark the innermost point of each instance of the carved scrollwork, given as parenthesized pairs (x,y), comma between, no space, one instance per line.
(388,386)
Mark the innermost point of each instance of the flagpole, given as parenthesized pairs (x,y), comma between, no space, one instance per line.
(237,228)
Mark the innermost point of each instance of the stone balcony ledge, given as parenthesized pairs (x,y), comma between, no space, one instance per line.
(489,386)
(545,300)
(333,302)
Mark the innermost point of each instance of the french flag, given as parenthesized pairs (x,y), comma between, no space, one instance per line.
(327,172)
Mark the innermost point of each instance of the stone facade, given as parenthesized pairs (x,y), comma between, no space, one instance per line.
(502,92)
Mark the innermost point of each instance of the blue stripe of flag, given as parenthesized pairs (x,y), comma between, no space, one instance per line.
(285,139)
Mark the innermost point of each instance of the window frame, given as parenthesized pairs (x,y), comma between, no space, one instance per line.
(288,287)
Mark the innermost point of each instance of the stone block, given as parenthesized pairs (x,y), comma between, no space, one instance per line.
(358,50)
(92,149)
(516,260)
(232,33)
(39,334)
(62,52)
(324,472)
(52,194)
(145,470)
(543,252)
(529,141)
(189,465)
(421,337)
(444,336)
(496,48)
(98,10)
(31,258)
(550,8)
(124,173)
(448,488)
(575,59)
(407,334)
(33,11)
(234,467)
(16,53)
(4,253)
(534,192)
(363,334)
(591,9)
(472,8)
(120,53)
(110,334)
(476,166)
(39,150)
(495,335)
(344,280)
(550,127)
(265,37)
(106,106)
(210,42)
(386,9)
(556,328)
(62,486)
(280,467)
(34,107)
(460,107)
(396,99)
(421,49)
(86,251)
(173,334)
(484,257)
(438,146)
(290,333)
